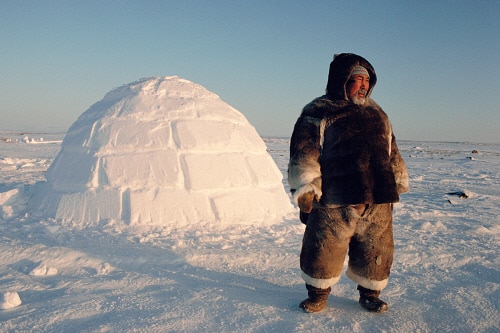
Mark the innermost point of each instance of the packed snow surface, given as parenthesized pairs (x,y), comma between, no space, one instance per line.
(246,278)
(162,151)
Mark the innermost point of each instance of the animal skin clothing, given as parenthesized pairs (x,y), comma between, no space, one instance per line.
(363,231)
(346,166)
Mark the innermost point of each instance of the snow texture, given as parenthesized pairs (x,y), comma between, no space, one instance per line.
(246,278)
(162,151)
(9,300)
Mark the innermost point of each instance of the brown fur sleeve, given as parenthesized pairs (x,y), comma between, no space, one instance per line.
(304,173)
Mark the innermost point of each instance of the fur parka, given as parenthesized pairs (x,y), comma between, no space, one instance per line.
(343,152)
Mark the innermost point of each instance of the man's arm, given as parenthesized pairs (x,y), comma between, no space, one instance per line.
(304,172)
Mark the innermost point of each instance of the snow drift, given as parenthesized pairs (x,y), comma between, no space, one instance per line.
(163,151)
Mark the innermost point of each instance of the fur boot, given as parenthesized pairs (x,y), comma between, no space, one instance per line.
(369,300)
(317,300)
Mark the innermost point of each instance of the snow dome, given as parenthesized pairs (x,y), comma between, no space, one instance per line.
(164,151)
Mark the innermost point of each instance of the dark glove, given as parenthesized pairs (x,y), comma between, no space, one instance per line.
(303,217)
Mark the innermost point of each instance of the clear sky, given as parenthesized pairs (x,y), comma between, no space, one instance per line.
(438,62)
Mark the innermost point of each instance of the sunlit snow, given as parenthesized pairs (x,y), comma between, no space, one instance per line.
(60,277)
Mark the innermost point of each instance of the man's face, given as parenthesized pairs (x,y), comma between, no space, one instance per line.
(357,88)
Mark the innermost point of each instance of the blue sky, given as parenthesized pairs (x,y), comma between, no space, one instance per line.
(438,62)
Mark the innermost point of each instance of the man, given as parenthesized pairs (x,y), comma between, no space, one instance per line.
(345,173)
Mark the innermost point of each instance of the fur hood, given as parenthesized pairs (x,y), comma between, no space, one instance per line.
(340,71)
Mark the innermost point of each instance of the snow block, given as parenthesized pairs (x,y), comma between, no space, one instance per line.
(9,300)
(163,151)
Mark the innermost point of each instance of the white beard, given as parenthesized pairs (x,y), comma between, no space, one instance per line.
(358,100)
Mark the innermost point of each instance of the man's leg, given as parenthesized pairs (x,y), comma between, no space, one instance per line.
(324,248)
(371,252)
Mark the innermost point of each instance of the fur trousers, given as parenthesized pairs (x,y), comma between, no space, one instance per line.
(365,231)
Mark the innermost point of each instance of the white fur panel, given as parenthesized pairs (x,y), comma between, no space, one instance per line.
(320,283)
(389,139)
(306,189)
(304,178)
(403,182)
(309,172)
(366,283)
(322,126)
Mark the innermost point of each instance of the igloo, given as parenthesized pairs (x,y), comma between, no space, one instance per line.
(164,151)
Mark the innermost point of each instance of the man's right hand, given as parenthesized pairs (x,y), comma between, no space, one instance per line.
(305,202)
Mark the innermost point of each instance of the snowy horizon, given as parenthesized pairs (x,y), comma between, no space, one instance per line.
(38,131)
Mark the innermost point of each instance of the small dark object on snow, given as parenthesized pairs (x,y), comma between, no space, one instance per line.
(475,152)
(460,194)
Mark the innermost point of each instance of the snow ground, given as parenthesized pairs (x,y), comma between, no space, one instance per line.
(445,277)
